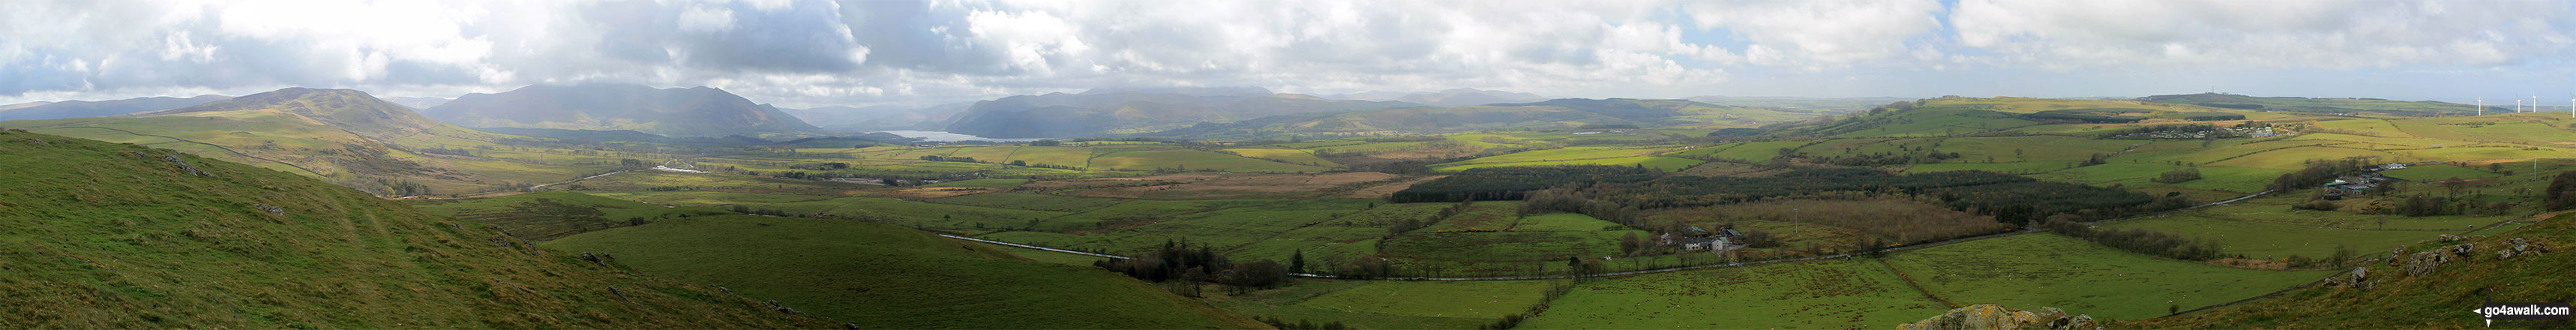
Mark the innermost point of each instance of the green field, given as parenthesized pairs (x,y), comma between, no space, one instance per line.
(1667,164)
(2437,172)
(1186,160)
(1290,304)
(2266,240)
(1031,202)
(882,276)
(1291,156)
(1828,294)
(1474,300)
(547,215)
(980,183)
(2047,270)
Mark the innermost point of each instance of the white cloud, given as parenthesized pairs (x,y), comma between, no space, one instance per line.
(2329,34)
(1821,33)
(706,19)
(810,52)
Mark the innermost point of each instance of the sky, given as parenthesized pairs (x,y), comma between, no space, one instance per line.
(819,53)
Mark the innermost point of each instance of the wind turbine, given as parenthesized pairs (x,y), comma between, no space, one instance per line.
(2482,107)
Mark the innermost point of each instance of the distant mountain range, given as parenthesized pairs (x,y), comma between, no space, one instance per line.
(1448,98)
(1830,104)
(680,112)
(77,109)
(1113,111)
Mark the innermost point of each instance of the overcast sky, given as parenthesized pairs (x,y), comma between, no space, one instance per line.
(813,53)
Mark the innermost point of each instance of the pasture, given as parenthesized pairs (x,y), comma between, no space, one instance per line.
(884,276)
(1824,294)
(2047,270)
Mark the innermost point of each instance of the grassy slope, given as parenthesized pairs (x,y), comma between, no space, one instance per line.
(2440,299)
(339,134)
(548,215)
(883,276)
(102,238)
(2047,270)
(1830,294)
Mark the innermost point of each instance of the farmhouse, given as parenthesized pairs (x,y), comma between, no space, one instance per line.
(1694,238)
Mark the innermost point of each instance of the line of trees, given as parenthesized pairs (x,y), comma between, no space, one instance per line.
(1509,183)
(2139,240)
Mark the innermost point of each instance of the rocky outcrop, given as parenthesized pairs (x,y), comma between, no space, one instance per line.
(1996,317)
(184,167)
(2359,278)
(2520,247)
(2425,262)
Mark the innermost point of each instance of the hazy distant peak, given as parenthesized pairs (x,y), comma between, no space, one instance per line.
(79,108)
(1191,91)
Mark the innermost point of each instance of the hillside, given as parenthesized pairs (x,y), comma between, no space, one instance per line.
(77,109)
(1447,98)
(1122,111)
(884,276)
(699,111)
(2336,105)
(1560,113)
(2428,285)
(105,235)
(348,110)
(345,136)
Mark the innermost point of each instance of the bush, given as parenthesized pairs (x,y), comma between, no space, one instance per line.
(2179,175)
(2561,194)
(2317,205)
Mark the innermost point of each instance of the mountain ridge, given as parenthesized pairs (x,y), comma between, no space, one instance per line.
(695,111)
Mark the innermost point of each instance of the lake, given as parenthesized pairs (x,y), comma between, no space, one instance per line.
(942,136)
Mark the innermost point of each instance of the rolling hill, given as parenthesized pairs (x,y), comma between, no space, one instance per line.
(106,235)
(1559,113)
(689,112)
(78,109)
(1447,98)
(1134,111)
(344,136)
(2324,104)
